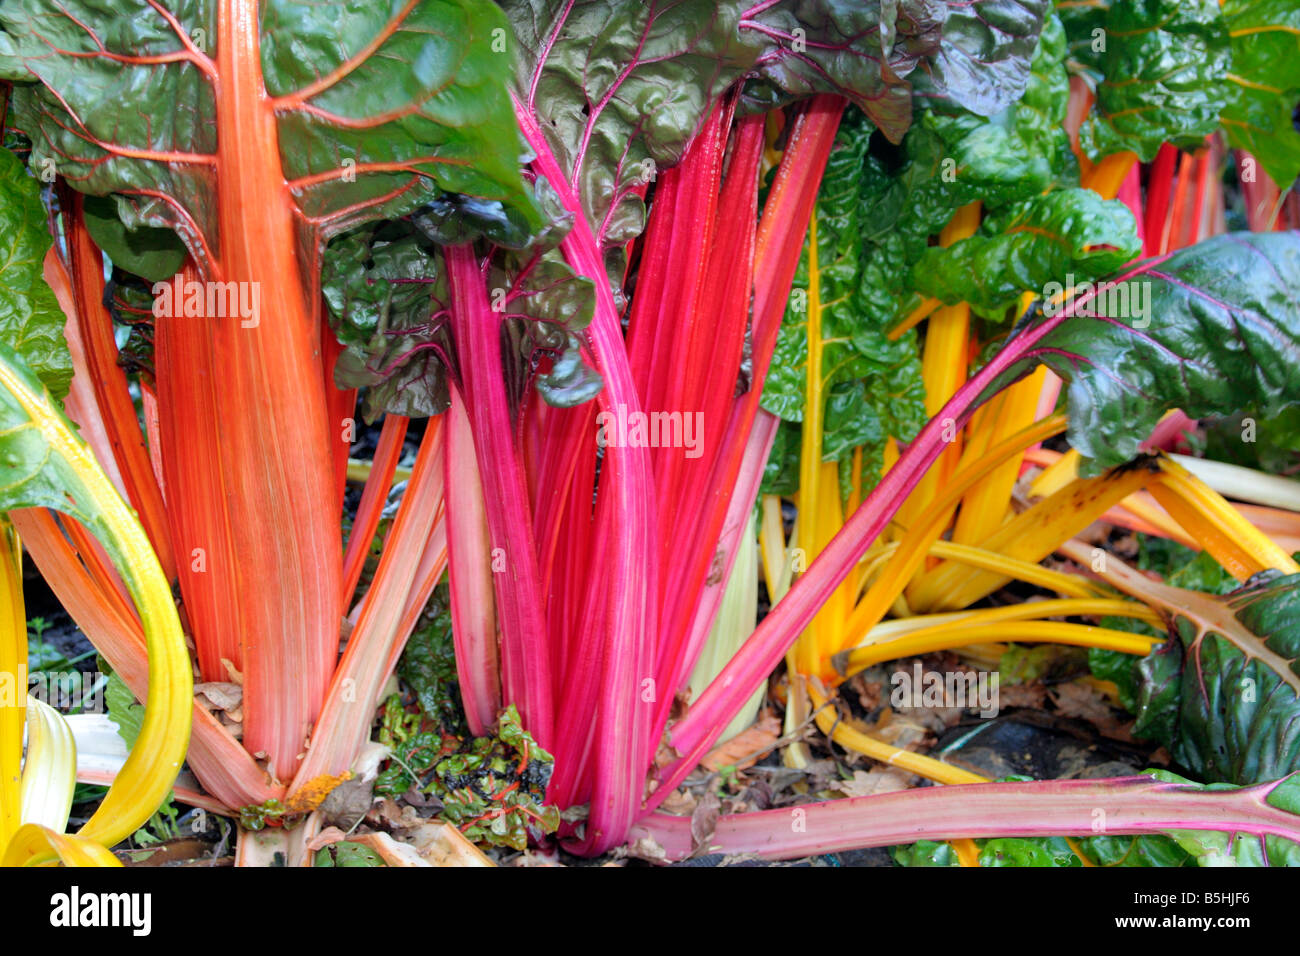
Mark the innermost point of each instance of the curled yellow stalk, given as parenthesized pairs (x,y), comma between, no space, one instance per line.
(51,467)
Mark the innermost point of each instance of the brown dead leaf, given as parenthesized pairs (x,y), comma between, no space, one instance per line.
(734,753)
(347,803)
(704,819)
(679,803)
(868,782)
(1022,695)
(1076,699)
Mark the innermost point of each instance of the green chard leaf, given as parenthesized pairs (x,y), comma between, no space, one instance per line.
(952,157)
(620,87)
(387,297)
(1221,695)
(31,322)
(124,103)
(1066,232)
(386,292)
(1210,329)
(1162,65)
(987,45)
(873,386)
(1264,84)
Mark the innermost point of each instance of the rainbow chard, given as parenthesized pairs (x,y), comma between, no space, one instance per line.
(1220,326)
(255,131)
(613,99)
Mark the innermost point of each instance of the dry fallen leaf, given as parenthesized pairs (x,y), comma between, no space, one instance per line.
(868,782)
(761,736)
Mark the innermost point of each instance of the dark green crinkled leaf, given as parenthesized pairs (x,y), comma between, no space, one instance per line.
(386,292)
(1162,77)
(31,322)
(987,45)
(781,473)
(1067,232)
(1264,84)
(1023,150)
(1221,696)
(838,47)
(872,386)
(1221,334)
(953,157)
(620,87)
(424,115)
(428,663)
(1270,444)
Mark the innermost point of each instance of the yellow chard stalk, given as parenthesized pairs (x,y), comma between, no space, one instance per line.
(46,465)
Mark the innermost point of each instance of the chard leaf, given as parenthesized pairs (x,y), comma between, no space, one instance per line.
(987,44)
(1239,719)
(619,88)
(838,47)
(1212,329)
(385,287)
(1061,233)
(31,322)
(149,252)
(1264,84)
(380,108)
(872,386)
(387,297)
(1162,69)
(1022,150)
(953,157)
(1221,694)
(1217,848)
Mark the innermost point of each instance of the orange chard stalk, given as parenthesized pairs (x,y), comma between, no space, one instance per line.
(270,474)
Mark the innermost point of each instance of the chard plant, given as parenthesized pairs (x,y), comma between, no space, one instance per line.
(646,268)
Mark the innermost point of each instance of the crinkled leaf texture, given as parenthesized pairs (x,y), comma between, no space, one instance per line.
(1067,232)
(987,44)
(1162,74)
(31,322)
(1222,695)
(1264,84)
(872,385)
(385,286)
(1211,329)
(381,107)
(621,86)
